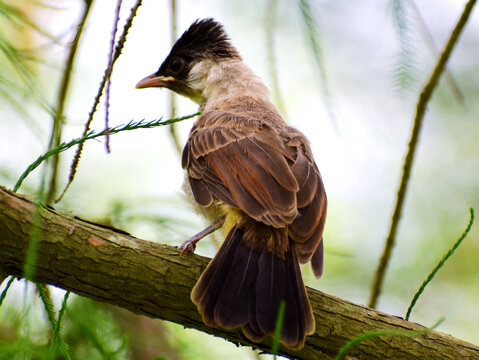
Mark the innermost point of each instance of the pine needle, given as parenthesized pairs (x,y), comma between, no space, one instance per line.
(278,328)
(4,292)
(132,125)
(440,264)
(373,334)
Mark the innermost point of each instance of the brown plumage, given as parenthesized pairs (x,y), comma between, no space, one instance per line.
(246,164)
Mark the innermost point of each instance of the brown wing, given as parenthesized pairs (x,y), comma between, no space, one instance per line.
(307,229)
(269,175)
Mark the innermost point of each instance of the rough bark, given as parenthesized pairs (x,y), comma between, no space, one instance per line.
(148,278)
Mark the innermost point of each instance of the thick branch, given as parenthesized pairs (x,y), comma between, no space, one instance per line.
(151,279)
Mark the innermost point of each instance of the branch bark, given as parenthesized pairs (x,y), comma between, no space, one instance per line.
(148,278)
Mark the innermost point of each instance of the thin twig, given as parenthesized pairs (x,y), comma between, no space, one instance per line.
(382,333)
(58,343)
(58,114)
(108,84)
(440,264)
(3,295)
(92,135)
(273,69)
(433,48)
(278,329)
(405,70)
(45,296)
(172,95)
(96,101)
(312,29)
(409,159)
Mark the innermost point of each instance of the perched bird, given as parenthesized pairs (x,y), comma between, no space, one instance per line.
(254,176)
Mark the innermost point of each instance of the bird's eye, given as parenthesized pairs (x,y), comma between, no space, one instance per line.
(176,64)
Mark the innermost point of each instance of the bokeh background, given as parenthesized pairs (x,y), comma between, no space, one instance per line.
(352,91)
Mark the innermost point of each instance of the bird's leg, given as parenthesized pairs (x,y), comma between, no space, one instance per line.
(190,244)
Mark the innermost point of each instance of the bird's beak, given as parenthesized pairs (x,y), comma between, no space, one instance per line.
(154,80)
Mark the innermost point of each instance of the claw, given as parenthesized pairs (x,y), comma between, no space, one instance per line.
(190,244)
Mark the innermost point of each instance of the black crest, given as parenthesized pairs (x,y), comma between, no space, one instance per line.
(204,39)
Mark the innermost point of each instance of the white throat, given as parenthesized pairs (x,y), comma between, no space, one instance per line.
(216,81)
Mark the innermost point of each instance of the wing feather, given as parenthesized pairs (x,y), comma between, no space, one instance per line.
(266,170)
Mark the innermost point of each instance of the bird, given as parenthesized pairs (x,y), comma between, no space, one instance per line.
(253,176)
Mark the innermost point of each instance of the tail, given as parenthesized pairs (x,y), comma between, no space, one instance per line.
(243,286)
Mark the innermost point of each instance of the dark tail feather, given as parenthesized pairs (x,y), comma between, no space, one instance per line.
(233,305)
(209,287)
(317,262)
(271,290)
(244,287)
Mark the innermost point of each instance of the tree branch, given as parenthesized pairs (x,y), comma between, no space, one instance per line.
(148,278)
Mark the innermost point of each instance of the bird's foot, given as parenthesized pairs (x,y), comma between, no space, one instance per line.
(190,244)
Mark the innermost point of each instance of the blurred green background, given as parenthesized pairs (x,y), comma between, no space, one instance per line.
(350,80)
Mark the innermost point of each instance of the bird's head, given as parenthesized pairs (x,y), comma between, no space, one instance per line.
(202,48)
